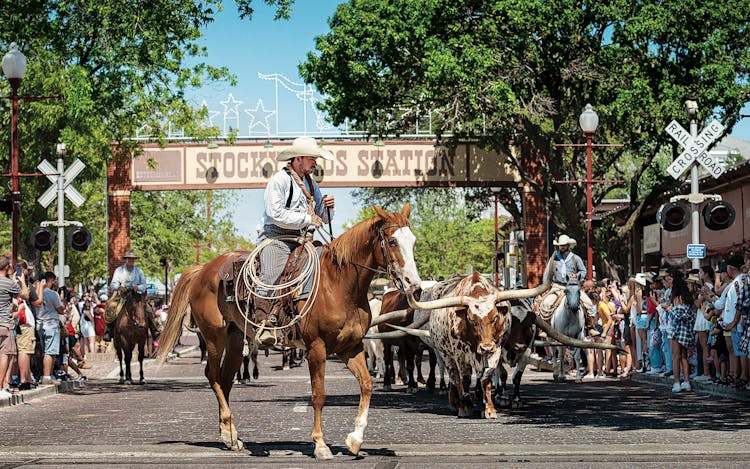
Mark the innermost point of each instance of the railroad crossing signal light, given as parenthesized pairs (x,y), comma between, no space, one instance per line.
(80,238)
(163,261)
(718,215)
(43,239)
(673,216)
(6,204)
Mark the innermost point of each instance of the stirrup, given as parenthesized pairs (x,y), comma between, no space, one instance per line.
(266,337)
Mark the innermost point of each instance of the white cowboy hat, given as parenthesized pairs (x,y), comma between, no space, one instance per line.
(304,146)
(640,279)
(564,239)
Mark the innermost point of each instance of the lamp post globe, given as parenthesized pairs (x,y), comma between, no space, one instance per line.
(588,121)
(14,63)
(14,68)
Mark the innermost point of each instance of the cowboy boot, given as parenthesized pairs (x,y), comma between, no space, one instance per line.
(262,314)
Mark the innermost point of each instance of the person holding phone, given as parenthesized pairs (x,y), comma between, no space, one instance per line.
(9,290)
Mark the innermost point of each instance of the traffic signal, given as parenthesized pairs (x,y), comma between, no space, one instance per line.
(6,204)
(43,239)
(718,215)
(673,216)
(80,238)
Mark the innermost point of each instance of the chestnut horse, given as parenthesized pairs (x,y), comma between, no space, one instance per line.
(131,329)
(336,322)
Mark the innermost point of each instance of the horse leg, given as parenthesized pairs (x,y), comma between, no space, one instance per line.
(433,364)
(389,370)
(401,356)
(254,357)
(229,367)
(316,363)
(141,352)
(418,354)
(215,344)
(358,366)
(128,358)
(118,347)
(410,357)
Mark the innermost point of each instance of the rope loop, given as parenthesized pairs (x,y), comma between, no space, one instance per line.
(251,281)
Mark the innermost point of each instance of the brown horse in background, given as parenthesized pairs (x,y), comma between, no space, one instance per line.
(131,329)
(336,322)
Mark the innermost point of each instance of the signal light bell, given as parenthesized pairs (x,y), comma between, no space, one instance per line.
(80,238)
(718,215)
(43,239)
(673,216)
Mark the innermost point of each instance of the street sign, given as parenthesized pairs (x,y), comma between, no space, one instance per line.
(696,251)
(66,271)
(51,193)
(695,149)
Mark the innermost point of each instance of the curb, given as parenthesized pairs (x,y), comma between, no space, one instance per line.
(23,397)
(697,386)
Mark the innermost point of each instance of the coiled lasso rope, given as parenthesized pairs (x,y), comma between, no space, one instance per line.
(251,281)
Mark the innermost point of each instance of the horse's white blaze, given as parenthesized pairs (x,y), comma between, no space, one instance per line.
(406,241)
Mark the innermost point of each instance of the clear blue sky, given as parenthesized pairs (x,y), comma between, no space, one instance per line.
(263,45)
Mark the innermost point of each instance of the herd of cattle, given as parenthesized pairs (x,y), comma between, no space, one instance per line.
(469,328)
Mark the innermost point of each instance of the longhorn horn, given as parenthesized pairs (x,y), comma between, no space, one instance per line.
(415,332)
(565,340)
(398,315)
(526,292)
(397,334)
(386,335)
(447,302)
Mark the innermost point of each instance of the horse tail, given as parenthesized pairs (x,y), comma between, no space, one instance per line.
(176,314)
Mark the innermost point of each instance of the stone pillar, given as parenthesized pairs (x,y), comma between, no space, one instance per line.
(535,236)
(536,250)
(118,212)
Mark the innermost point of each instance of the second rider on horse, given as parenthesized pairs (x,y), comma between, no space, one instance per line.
(293,204)
(569,269)
(126,276)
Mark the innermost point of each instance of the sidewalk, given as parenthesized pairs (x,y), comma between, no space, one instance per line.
(103,365)
(656,380)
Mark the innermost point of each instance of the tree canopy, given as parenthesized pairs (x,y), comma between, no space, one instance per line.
(110,71)
(515,76)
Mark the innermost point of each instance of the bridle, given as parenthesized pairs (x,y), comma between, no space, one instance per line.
(391,268)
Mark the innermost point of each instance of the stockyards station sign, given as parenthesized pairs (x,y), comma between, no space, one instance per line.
(355,164)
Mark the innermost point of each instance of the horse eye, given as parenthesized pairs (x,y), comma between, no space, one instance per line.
(392,243)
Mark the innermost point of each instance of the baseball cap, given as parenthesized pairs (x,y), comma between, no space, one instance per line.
(735,261)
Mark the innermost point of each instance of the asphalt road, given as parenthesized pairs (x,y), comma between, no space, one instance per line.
(172,421)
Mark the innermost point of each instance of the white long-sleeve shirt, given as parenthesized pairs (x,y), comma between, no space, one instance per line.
(128,278)
(295,217)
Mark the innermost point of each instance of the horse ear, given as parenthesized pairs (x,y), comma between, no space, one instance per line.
(406,211)
(383,214)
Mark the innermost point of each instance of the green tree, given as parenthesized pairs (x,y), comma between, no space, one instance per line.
(114,70)
(515,76)
(450,237)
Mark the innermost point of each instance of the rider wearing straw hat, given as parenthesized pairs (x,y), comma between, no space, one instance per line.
(293,204)
(126,276)
(569,268)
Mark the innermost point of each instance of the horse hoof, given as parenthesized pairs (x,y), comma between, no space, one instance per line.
(387,387)
(353,444)
(234,444)
(142,381)
(122,381)
(517,404)
(490,415)
(323,453)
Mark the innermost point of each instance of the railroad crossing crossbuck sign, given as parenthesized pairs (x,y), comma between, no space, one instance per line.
(695,149)
(71,192)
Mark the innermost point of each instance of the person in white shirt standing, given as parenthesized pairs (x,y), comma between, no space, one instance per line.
(293,204)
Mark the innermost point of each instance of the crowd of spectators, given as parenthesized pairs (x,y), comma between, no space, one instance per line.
(686,325)
(46,331)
